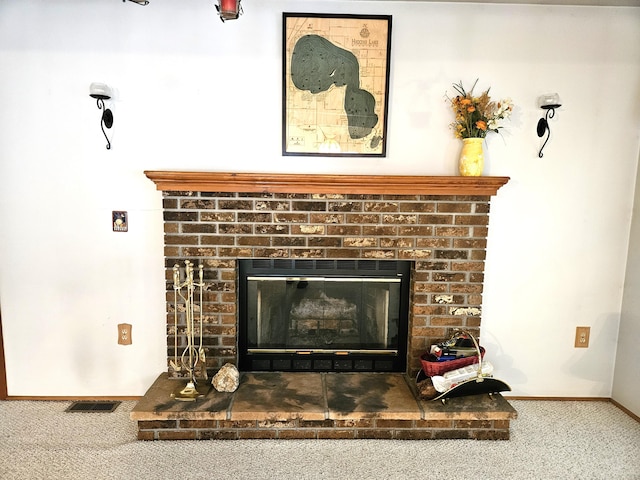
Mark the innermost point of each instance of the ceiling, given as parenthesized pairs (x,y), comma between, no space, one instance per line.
(599,3)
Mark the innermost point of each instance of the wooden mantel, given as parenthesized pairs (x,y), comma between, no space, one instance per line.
(315,183)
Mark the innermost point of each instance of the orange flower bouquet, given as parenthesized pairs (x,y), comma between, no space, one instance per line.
(477,116)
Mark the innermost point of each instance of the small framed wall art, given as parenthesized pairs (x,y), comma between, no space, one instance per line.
(119,221)
(335,84)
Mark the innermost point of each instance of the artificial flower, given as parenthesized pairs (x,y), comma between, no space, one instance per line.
(475,116)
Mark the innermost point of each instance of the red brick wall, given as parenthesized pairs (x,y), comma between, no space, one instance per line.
(445,236)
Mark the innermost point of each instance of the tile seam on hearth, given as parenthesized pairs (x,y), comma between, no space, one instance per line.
(325,396)
(230,406)
(418,402)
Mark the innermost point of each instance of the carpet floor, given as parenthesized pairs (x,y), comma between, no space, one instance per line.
(549,440)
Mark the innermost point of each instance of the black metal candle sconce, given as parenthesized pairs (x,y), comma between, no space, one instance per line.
(548,102)
(102,92)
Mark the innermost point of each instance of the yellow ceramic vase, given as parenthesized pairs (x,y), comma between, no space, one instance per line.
(472,157)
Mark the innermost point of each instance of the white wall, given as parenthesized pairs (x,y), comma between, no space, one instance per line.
(626,384)
(197,94)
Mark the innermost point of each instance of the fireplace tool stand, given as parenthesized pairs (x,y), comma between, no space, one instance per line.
(192,356)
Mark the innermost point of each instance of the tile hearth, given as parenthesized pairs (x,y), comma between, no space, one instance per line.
(318,406)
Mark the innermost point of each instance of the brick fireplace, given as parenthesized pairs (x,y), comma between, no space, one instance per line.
(440,224)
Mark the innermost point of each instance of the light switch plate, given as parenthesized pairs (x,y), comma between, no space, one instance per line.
(120,221)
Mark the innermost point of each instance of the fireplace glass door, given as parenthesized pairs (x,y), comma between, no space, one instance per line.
(324,318)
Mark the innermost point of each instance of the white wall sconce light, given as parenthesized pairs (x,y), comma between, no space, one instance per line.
(229,9)
(548,102)
(139,2)
(102,92)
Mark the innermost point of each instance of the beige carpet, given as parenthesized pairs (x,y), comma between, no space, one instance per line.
(550,440)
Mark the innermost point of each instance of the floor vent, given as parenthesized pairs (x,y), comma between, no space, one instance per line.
(92,407)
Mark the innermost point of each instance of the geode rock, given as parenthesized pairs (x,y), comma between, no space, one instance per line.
(227,379)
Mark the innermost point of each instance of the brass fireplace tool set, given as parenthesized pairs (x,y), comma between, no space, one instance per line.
(192,355)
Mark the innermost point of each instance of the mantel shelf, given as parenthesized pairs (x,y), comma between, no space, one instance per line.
(315,183)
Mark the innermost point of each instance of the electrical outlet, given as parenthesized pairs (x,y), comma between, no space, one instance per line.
(124,334)
(582,337)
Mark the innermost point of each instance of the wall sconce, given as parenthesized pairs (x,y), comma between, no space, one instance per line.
(548,102)
(229,9)
(102,92)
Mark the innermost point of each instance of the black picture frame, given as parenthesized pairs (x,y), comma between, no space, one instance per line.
(335,85)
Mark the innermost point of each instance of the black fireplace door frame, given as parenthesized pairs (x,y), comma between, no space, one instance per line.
(316,361)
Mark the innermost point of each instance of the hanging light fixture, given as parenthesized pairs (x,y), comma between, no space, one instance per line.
(229,9)
(139,2)
(102,92)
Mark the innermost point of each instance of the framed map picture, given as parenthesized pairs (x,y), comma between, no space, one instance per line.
(335,84)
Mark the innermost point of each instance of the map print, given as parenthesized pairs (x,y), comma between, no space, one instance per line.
(336,73)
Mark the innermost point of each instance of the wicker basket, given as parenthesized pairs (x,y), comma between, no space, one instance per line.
(432,368)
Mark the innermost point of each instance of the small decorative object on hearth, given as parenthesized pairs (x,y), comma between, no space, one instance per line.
(227,379)
(192,356)
(426,390)
(475,116)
